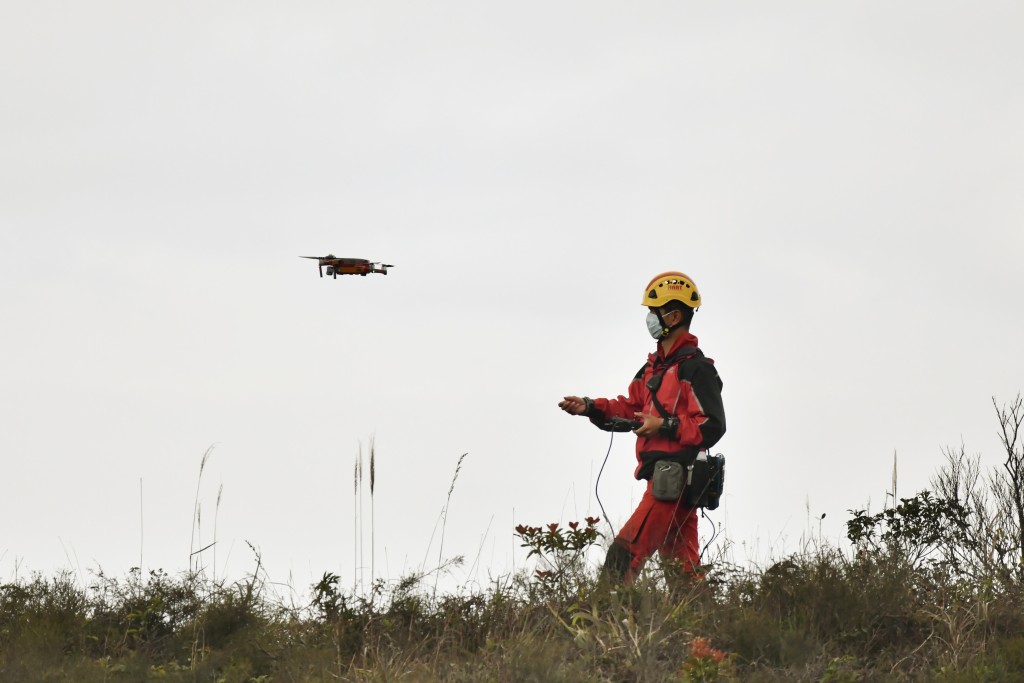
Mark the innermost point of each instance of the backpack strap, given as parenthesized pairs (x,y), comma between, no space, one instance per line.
(678,359)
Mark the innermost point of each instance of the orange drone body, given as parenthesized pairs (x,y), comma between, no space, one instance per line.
(348,266)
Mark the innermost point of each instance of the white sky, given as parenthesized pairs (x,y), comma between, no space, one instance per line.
(842,180)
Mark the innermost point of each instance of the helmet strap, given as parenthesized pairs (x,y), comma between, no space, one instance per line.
(665,329)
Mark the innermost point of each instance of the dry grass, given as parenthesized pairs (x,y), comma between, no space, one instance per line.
(931,590)
(825,616)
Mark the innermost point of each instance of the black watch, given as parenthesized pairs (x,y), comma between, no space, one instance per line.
(669,426)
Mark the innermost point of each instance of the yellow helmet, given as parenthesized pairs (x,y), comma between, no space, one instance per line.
(671,286)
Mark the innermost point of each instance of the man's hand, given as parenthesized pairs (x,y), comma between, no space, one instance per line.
(650,426)
(574,405)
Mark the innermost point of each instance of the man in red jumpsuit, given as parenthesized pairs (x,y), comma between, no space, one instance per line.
(678,396)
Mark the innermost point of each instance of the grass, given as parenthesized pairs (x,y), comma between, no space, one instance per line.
(930,589)
(823,615)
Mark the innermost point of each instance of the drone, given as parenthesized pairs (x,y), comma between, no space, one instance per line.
(348,266)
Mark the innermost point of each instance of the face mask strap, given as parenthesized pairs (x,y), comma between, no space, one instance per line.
(665,329)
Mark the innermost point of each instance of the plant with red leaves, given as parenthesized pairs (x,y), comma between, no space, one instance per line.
(704,664)
(559,550)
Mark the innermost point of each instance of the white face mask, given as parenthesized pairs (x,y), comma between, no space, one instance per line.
(654,325)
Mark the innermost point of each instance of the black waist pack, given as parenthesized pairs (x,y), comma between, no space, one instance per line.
(700,482)
(705,480)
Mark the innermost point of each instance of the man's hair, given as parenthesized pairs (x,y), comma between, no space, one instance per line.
(674,305)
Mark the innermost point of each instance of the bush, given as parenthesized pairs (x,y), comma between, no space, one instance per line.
(931,590)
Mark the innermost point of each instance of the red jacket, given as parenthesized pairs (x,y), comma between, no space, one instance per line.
(690,390)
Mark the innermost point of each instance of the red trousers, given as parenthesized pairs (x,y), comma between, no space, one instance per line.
(669,528)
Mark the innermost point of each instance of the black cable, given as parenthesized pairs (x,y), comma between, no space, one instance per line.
(713,536)
(597,484)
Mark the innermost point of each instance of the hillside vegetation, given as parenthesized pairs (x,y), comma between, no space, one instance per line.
(930,589)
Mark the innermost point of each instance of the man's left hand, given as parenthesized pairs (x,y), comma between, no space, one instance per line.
(650,426)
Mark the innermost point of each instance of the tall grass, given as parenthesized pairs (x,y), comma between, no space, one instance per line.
(197,515)
(359,487)
(929,589)
(373,521)
(444,519)
(828,615)
(355,518)
(358,479)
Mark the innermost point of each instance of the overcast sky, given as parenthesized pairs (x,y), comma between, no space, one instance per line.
(842,180)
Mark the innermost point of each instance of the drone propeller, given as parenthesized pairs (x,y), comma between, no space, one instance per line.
(387,265)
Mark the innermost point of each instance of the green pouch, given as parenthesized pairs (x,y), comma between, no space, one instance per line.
(667,481)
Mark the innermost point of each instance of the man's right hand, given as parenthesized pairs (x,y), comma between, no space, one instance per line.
(574,405)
